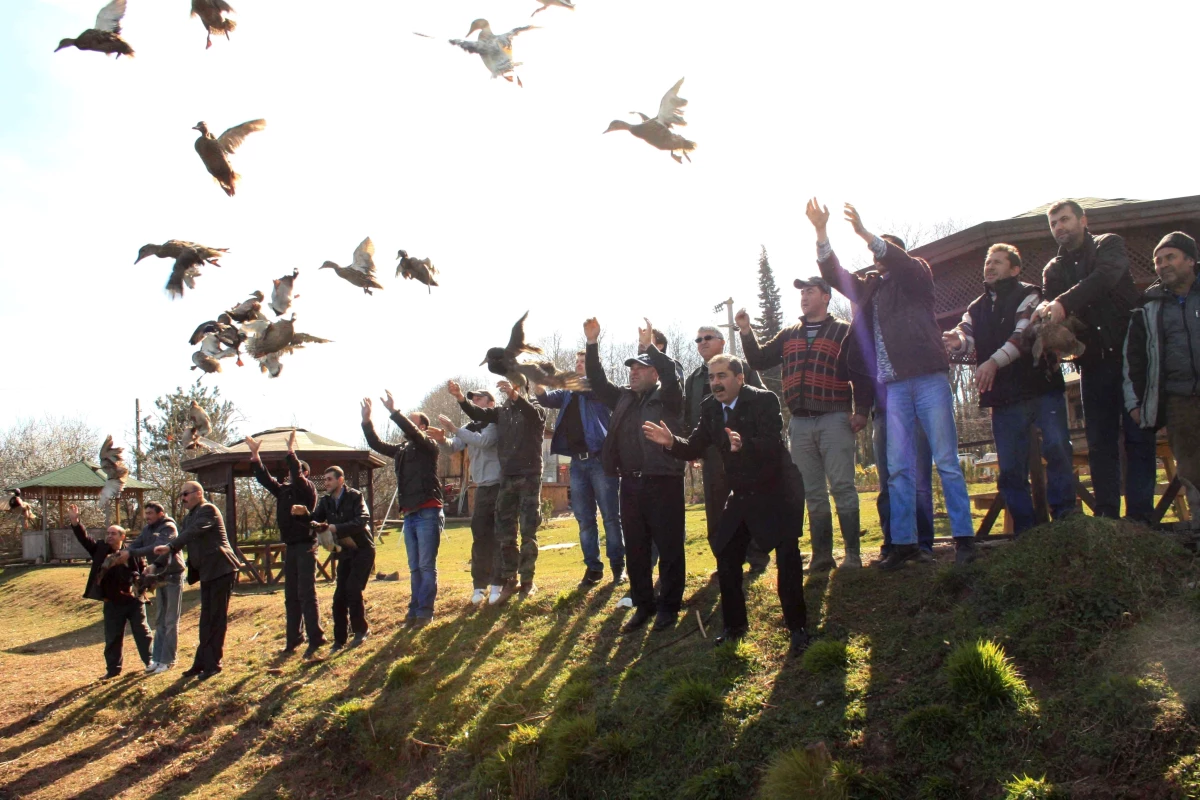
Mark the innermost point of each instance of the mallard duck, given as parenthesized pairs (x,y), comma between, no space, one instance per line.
(17,505)
(547,3)
(188,256)
(503,360)
(214,151)
(279,337)
(421,270)
(1054,339)
(115,470)
(361,271)
(105,37)
(201,424)
(204,362)
(249,309)
(657,130)
(219,338)
(281,295)
(212,14)
(496,51)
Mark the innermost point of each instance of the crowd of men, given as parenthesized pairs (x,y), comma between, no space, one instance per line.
(628,447)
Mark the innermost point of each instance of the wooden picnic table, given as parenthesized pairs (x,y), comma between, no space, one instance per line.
(264,563)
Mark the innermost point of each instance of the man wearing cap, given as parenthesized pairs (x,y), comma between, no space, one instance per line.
(579,432)
(711,342)
(1020,392)
(824,420)
(651,480)
(479,440)
(1162,354)
(1090,279)
(895,304)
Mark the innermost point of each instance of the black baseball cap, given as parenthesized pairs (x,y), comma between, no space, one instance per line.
(816,280)
(480,393)
(642,359)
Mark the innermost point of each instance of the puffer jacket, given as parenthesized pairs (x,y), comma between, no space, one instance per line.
(1146,355)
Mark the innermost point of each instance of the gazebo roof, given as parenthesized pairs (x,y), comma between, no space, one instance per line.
(310,446)
(80,475)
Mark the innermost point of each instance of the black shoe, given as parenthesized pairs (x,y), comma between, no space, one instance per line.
(312,649)
(208,673)
(359,638)
(619,577)
(664,620)
(591,577)
(729,635)
(337,646)
(110,674)
(964,550)
(800,640)
(900,553)
(191,673)
(290,649)
(408,621)
(640,617)
(419,622)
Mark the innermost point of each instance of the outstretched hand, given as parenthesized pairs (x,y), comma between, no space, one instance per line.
(455,390)
(591,330)
(388,402)
(818,215)
(447,423)
(365,406)
(254,445)
(292,442)
(659,434)
(855,220)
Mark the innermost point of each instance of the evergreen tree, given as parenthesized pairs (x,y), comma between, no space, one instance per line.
(168,433)
(770,302)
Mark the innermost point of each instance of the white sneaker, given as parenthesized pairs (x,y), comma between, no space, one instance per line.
(493,595)
(625,602)
(478,597)
(151,668)
(161,668)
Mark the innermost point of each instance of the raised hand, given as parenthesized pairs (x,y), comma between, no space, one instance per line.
(455,390)
(292,442)
(254,446)
(742,320)
(73,514)
(645,335)
(591,330)
(447,423)
(855,220)
(365,406)
(659,434)
(388,402)
(818,215)
(735,440)
(505,388)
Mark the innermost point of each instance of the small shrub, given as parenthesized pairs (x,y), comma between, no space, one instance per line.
(566,600)
(402,673)
(981,673)
(566,744)
(825,655)
(1027,788)
(716,783)
(692,698)
(802,772)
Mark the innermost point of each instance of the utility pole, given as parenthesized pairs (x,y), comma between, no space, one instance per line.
(733,332)
(137,435)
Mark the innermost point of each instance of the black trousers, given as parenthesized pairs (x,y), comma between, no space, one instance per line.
(483,535)
(716,492)
(115,617)
(790,565)
(652,513)
(354,568)
(300,594)
(214,619)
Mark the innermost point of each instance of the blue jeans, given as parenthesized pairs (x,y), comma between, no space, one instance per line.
(924,486)
(168,600)
(1011,426)
(1104,415)
(590,488)
(924,401)
(422,537)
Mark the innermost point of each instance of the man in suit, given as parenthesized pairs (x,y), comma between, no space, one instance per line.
(211,561)
(343,513)
(300,558)
(766,501)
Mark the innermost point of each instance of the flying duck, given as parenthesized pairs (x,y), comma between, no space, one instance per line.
(281,295)
(249,309)
(421,270)
(503,361)
(496,51)
(547,3)
(188,259)
(278,338)
(106,36)
(361,271)
(212,14)
(115,470)
(214,151)
(657,131)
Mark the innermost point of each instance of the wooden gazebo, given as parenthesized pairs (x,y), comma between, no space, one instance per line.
(79,482)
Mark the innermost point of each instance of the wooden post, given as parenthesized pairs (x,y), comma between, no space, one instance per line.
(1037,478)
(230,505)
(370,496)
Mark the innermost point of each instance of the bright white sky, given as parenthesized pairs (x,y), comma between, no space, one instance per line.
(915,111)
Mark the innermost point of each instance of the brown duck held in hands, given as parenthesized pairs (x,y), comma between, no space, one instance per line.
(106,36)
(214,151)
(212,14)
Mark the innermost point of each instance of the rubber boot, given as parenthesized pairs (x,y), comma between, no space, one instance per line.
(822,547)
(851,534)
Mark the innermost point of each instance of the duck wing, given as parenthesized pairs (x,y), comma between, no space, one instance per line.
(470,45)
(364,258)
(544,373)
(232,139)
(504,40)
(301,339)
(670,109)
(516,340)
(109,18)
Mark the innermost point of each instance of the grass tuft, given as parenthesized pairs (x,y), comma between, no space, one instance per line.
(825,656)
(981,673)
(716,783)
(929,729)
(573,695)
(692,698)
(614,747)
(566,744)
(735,657)
(1027,788)
(512,769)
(802,772)
(403,673)
(859,783)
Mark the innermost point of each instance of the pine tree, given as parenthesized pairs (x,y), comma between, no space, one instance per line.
(167,434)
(770,302)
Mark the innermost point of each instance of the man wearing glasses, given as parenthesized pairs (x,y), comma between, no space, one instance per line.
(344,513)
(212,562)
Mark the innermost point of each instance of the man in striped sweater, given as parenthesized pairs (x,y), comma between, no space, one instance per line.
(824,421)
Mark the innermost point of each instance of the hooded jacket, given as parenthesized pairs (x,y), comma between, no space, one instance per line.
(1149,361)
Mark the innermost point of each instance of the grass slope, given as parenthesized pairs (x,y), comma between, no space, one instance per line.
(1062,666)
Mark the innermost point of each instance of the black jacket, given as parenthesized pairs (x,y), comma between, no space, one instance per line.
(520,427)
(1095,285)
(695,390)
(349,515)
(415,462)
(116,585)
(162,532)
(295,491)
(209,555)
(766,490)
(993,322)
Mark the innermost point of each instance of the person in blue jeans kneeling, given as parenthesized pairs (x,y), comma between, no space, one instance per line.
(420,495)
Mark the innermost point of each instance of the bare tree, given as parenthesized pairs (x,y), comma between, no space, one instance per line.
(32,447)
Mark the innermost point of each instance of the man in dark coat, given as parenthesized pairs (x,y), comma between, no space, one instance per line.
(212,562)
(111,579)
(343,512)
(300,557)
(766,501)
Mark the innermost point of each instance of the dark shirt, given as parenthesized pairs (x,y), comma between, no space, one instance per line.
(296,490)
(572,426)
(116,584)
(629,441)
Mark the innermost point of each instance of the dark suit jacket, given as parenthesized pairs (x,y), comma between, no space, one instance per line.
(209,555)
(349,514)
(766,491)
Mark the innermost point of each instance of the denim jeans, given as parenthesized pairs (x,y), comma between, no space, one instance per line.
(422,537)
(924,402)
(590,488)
(924,486)
(1011,426)
(1101,387)
(168,602)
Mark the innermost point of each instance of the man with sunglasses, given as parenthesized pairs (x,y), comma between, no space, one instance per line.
(711,342)
(343,512)
(212,562)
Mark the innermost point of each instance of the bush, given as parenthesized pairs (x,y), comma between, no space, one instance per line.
(980,673)
(716,783)
(402,673)
(692,698)
(802,772)
(825,655)
(1027,788)
(1185,776)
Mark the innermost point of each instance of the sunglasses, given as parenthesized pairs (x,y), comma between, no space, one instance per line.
(185,494)
(708,337)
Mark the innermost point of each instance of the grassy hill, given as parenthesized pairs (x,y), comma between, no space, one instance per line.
(1073,655)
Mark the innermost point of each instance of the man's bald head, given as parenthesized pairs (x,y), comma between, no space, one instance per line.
(115,536)
(192,494)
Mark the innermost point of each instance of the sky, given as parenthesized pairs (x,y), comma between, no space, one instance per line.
(916,112)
